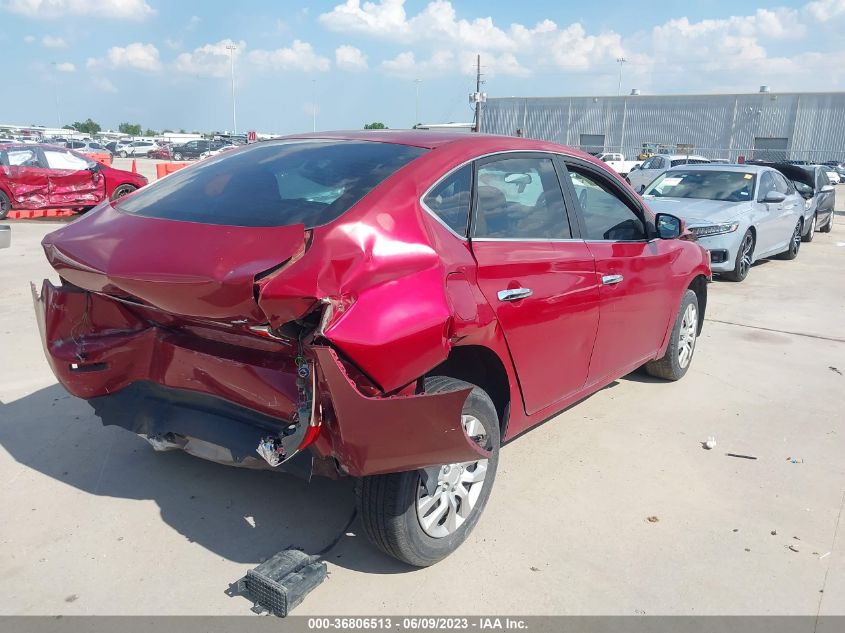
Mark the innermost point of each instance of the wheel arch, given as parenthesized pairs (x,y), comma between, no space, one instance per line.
(480,366)
(699,287)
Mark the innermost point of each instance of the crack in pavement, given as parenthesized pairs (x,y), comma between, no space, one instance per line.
(769,329)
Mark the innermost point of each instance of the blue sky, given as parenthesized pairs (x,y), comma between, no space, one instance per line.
(165,64)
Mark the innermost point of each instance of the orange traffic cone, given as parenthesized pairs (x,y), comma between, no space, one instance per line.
(134,167)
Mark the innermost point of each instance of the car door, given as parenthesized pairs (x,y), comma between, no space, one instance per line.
(767,214)
(790,210)
(26,177)
(538,276)
(71,180)
(637,304)
(824,195)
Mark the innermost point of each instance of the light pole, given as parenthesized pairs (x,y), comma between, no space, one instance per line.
(56,90)
(314,105)
(232,48)
(620,61)
(417,117)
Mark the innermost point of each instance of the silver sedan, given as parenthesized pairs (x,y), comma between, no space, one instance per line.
(740,213)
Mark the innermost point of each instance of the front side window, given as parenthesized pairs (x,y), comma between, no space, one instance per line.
(606,215)
(450,200)
(767,185)
(727,186)
(64,160)
(273,184)
(520,198)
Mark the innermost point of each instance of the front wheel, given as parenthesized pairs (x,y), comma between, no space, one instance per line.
(124,154)
(122,190)
(811,231)
(5,205)
(422,516)
(177,156)
(794,244)
(744,257)
(675,362)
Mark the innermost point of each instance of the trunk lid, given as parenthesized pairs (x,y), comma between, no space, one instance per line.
(190,269)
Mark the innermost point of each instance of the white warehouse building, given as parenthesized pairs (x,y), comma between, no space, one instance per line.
(766,125)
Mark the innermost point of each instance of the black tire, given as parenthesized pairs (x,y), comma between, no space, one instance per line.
(794,244)
(827,228)
(124,154)
(5,205)
(671,366)
(177,156)
(387,504)
(744,258)
(122,190)
(811,231)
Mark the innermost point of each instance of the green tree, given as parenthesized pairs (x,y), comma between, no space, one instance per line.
(378,125)
(132,129)
(67,127)
(86,127)
(150,132)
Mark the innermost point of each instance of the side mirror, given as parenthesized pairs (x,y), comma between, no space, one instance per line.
(774,197)
(668,226)
(827,188)
(94,167)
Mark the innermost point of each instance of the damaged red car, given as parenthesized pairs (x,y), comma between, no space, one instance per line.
(46,177)
(389,306)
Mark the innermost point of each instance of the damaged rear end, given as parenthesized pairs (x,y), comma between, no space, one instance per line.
(205,313)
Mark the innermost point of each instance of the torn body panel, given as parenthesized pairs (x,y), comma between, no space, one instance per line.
(173,388)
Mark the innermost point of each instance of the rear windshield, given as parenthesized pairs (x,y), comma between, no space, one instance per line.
(273,184)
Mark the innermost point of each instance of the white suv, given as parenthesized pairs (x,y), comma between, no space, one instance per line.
(137,148)
(640,177)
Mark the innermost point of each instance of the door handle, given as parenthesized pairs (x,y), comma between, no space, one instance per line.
(609,280)
(514,294)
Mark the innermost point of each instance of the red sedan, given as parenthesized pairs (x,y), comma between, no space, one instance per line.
(390,306)
(46,177)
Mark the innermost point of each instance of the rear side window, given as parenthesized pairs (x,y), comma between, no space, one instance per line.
(273,184)
(450,200)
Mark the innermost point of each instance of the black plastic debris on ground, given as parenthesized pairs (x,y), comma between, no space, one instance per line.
(282,582)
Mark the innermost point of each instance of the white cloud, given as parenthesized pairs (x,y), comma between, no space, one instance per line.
(53,42)
(101,84)
(136,55)
(350,58)
(299,56)
(211,60)
(66,67)
(29,39)
(117,9)
(193,23)
(824,10)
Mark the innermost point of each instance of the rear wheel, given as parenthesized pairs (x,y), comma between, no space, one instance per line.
(5,205)
(794,244)
(675,362)
(122,190)
(811,231)
(744,257)
(124,154)
(422,516)
(177,156)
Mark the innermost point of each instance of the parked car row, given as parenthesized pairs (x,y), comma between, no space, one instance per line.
(743,213)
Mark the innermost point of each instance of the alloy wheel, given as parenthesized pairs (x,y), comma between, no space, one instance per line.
(745,250)
(687,335)
(458,488)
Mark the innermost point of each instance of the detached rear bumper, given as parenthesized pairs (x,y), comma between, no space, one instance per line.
(160,383)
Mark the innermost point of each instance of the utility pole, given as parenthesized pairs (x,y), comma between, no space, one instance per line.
(620,61)
(417,111)
(232,48)
(56,90)
(477,97)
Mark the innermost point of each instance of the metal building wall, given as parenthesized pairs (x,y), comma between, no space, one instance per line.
(718,126)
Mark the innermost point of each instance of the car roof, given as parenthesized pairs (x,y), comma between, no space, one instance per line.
(746,168)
